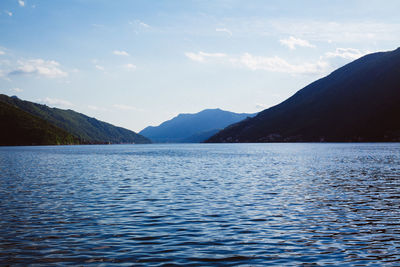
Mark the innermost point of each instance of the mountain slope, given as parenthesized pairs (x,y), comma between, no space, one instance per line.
(358,102)
(21,128)
(192,128)
(89,130)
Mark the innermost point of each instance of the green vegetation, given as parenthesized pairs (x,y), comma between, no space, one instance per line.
(21,128)
(88,130)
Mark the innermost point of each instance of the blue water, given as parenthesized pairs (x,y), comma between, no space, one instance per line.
(201,204)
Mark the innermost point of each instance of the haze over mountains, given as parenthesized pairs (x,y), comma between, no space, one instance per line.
(358,102)
(193,128)
(26,123)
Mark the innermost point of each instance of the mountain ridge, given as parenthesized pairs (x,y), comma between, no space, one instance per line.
(22,128)
(192,127)
(88,130)
(357,102)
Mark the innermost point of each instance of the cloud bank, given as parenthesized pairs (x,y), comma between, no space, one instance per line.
(346,53)
(203,56)
(252,62)
(277,64)
(39,67)
(120,53)
(292,42)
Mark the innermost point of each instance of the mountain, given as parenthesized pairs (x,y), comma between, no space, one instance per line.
(358,102)
(88,130)
(192,128)
(21,128)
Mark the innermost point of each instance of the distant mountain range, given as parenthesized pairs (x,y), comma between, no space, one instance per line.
(192,128)
(358,102)
(27,123)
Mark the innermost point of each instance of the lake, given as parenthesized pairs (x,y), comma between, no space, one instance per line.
(201,204)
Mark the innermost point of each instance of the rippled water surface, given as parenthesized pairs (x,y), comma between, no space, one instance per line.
(204,204)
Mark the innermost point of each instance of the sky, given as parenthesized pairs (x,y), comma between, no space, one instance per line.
(138,63)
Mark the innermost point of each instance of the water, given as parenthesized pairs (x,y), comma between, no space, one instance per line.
(205,204)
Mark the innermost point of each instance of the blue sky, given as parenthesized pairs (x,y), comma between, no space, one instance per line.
(139,63)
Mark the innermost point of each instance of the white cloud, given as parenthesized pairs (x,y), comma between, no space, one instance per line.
(277,64)
(224,30)
(21,3)
(2,52)
(120,53)
(144,24)
(332,31)
(346,53)
(8,13)
(139,26)
(202,56)
(99,67)
(17,90)
(40,67)
(126,107)
(130,66)
(292,42)
(55,102)
(273,64)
